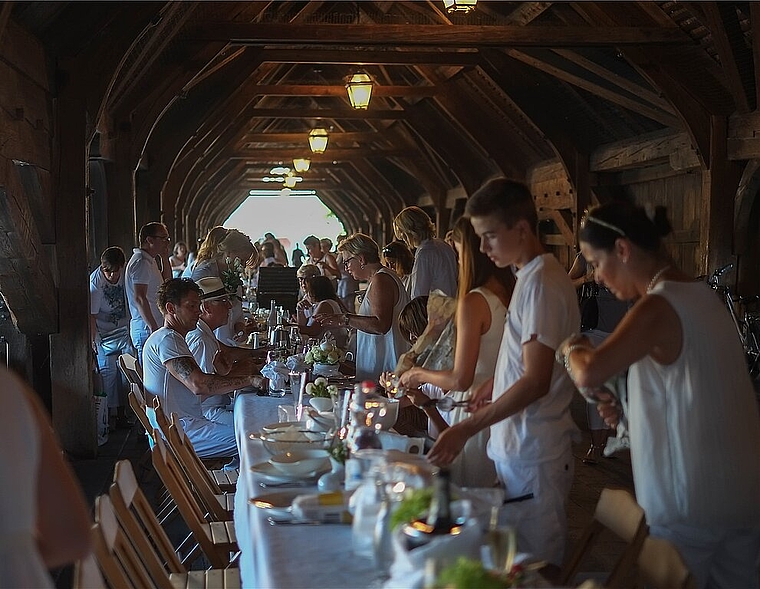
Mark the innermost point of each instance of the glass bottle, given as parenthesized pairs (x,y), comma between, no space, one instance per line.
(382,541)
(439,519)
(272,319)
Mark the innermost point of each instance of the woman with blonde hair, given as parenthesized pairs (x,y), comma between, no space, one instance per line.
(225,254)
(435,264)
(483,297)
(379,341)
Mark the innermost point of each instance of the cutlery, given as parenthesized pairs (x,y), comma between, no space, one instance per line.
(303,522)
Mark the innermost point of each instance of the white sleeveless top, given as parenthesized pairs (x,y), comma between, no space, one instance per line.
(378,353)
(473,468)
(339,333)
(21,564)
(694,424)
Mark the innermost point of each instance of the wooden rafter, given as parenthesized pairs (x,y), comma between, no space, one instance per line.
(370,57)
(322,90)
(434,35)
(275,155)
(5,14)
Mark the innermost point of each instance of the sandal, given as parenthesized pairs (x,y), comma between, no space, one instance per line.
(592,455)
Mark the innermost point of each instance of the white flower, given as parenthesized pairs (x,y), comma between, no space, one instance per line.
(310,388)
(320,381)
(332,389)
(309,358)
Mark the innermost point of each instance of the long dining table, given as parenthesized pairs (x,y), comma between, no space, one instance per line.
(286,555)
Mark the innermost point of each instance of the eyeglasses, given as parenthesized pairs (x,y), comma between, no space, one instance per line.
(166,238)
(221,301)
(345,262)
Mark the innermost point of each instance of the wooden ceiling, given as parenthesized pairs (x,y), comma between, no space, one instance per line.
(209,96)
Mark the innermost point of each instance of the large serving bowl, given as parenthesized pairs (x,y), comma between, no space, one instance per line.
(283,425)
(288,440)
(300,462)
(385,411)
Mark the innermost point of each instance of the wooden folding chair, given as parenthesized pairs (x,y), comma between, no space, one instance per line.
(215,538)
(87,573)
(117,557)
(618,512)
(151,542)
(662,567)
(131,369)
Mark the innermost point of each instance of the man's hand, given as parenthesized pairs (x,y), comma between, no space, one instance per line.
(222,363)
(608,408)
(481,396)
(449,444)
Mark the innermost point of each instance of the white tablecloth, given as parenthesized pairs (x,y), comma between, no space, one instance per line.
(286,556)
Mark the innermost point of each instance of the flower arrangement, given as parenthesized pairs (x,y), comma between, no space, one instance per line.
(325,352)
(232,277)
(466,572)
(320,388)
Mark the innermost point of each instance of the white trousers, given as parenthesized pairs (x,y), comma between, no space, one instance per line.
(717,559)
(210,438)
(539,519)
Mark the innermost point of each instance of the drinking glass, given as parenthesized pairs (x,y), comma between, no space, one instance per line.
(501,545)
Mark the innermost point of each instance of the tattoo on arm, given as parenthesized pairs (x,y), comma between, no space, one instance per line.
(183,367)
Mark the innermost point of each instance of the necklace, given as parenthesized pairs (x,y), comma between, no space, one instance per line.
(656,277)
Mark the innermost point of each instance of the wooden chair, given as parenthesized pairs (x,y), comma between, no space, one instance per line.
(215,538)
(151,542)
(618,512)
(662,567)
(87,573)
(131,369)
(117,557)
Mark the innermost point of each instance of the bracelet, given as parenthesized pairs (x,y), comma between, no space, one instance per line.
(346,318)
(570,350)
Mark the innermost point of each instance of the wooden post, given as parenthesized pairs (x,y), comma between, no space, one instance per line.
(70,352)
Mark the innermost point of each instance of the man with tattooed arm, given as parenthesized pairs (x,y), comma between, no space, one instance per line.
(172,374)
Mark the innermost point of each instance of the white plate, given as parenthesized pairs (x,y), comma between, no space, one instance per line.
(277,504)
(270,474)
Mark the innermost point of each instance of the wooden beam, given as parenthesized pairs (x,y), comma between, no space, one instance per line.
(371,57)
(325,113)
(275,155)
(734,54)
(434,35)
(744,136)
(335,137)
(754,12)
(5,15)
(647,150)
(322,90)
(631,104)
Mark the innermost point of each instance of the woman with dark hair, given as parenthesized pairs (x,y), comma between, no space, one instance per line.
(692,414)
(178,259)
(483,297)
(379,341)
(399,258)
(320,298)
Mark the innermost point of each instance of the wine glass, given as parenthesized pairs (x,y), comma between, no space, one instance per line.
(501,544)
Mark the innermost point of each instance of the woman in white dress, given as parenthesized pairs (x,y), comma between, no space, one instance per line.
(692,412)
(44,521)
(379,341)
(483,297)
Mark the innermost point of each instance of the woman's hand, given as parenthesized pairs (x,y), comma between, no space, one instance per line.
(417,397)
(608,408)
(303,304)
(330,319)
(449,445)
(411,379)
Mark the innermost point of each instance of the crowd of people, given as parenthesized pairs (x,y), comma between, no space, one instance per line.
(522,351)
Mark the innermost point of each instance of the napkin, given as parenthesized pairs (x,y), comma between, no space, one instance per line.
(277,373)
(296,363)
(408,569)
(323,507)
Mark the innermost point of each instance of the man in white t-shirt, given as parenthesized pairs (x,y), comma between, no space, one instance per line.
(142,277)
(171,373)
(212,356)
(529,417)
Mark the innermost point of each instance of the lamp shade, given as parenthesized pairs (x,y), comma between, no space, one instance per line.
(318,140)
(359,88)
(461,6)
(290,181)
(301,164)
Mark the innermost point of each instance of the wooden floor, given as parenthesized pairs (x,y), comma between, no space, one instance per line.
(96,476)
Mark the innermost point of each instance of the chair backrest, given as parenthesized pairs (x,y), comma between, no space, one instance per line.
(662,567)
(87,573)
(115,553)
(174,480)
(131,369)
(618,512)
(206,487)
(142,526)
(138,405)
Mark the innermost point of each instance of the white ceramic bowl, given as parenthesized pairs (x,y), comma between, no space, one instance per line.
(288,441)
(300,462)
(321,403)
(386,413)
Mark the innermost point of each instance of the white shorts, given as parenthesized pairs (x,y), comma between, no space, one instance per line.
(211,439)
(538,515)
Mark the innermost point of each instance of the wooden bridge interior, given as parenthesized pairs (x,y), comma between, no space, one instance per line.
(119,113)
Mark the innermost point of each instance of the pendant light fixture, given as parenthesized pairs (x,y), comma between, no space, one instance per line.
(318,140)
(301,164)
(359,88)
(459,6)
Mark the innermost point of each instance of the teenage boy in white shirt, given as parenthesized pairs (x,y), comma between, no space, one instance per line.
(528,412)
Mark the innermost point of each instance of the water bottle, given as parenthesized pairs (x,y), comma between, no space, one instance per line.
(272,319)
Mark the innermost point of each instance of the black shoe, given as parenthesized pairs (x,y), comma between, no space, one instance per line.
(123,422)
